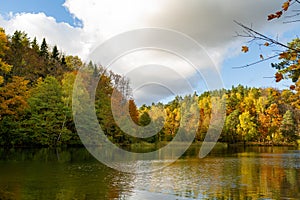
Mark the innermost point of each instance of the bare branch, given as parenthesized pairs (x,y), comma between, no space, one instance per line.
(255,35)
(268,77)
(294,15)
(287,22)
(254,63)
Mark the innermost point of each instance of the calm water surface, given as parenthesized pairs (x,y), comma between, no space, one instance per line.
(233,173)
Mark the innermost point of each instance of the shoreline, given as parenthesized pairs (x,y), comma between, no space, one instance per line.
(164,143)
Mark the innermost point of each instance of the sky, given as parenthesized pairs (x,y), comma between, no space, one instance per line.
(165,47)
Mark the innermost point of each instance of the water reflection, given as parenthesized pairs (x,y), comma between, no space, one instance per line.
(227,173)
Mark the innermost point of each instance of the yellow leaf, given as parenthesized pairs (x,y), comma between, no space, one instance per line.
(245,49)
(294,56)
(292,67)
(286,5)
(5,67)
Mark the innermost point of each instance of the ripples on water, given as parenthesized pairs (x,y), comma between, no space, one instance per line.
(251,173)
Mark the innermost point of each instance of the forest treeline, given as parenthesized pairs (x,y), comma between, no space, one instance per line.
(36,103)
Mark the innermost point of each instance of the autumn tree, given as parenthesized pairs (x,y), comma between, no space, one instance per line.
(230,133)
(289,67)
(13,97)
(16,55)
(67,85)
(4,67)
(247,127)
(288,127)
(47,114)
(205,108)
(274,123)
(248,103)
(173,116)
(73,62)
(133,111)
(24,56)
(13,102)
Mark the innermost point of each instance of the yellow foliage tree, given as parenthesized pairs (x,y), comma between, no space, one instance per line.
(13,97)
(4,67)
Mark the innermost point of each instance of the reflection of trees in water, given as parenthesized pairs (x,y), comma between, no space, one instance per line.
(250,173)
(57,174)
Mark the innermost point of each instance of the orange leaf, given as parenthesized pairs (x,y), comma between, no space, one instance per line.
(286,5)
(278,77)
(271,16)
(283,55)
(292,67)
(245,49)
(279,13)
(266,44)
(292,87)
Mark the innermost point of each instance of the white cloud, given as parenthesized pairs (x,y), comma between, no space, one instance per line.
(68,38)
(209,22)
(155,74)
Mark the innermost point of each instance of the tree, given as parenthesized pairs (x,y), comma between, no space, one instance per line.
(103,103)
(133,111)
(248,103)
(288,127)
(67,84)
(55,53)
(232,102)
(73,62)
(4,67)
(10,134)
(230,127)
(19,44)
(13,97)
(144,119)
(13,102)
(173,116)
(25,59)
(269,125)
(35,45)
(44,49)
(290,66)
(247,127)
(63,60)
(47,114)
(205,106)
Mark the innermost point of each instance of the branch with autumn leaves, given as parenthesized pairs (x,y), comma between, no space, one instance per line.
(289,67)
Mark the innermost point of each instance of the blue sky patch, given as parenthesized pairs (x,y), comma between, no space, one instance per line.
(53,8)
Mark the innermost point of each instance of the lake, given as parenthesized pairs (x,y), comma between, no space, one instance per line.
(226,173)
